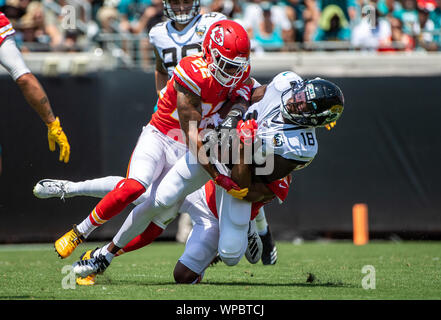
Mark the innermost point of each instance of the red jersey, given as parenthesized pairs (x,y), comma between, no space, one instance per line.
(280,189)
(192,73)
(6,28)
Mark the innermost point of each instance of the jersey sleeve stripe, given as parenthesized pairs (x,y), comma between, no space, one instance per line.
(6,31)
(180,73)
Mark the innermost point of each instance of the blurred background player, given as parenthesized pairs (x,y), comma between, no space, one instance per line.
(12,60)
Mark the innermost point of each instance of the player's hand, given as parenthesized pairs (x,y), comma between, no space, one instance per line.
(330,125)
(232,188)
(247,129)
(55,134)
(243,91)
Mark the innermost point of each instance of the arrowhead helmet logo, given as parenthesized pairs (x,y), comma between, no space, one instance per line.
(217,35)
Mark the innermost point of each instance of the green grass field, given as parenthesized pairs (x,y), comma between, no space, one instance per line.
(312,270)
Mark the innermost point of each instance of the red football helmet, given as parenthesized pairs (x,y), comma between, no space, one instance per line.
(226,49)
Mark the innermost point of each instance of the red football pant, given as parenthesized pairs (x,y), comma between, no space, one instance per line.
(125,192)
(148,236)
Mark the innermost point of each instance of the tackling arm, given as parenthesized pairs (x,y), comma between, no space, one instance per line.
(189,110)
(38,100)
(258,190)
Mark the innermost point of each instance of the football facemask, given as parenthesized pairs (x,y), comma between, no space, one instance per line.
(181,11)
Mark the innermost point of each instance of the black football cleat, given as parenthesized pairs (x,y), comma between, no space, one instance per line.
(269,254)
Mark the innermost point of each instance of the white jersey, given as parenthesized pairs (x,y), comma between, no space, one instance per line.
(172,45)
(284,139)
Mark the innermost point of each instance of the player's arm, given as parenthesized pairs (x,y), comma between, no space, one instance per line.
(282,168)
(258,93)
(36,97)
(33,92)
(259,192)
(161,75)
(38,100)
(190,115)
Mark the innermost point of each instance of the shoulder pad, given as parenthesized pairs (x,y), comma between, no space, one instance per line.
(216,16)
(156,29)
(188,74)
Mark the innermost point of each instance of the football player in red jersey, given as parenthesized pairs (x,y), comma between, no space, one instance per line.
(197,91)
(12,60)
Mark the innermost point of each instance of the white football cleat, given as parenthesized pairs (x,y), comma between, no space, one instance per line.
(255,246)
(85,268)
(51,188)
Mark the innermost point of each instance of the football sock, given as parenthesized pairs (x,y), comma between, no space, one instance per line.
(97,188)
(103,251)
(86,227)
(261,223)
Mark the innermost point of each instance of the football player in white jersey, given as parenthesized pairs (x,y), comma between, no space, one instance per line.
(289,111)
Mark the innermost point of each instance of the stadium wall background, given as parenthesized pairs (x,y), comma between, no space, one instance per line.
(385,152)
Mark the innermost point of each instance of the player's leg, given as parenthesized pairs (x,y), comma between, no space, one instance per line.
(146,164)
(103,256)
(97,188)
(153,231)
(201,245)
(234,218)
(269,252)
(184,227)
(150,234)
(167,195)
(63,189)
(136,222)
(185,177)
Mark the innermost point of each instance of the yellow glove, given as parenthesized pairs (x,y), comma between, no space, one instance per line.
(331,125)
(238,194)
(55,134)
(231,187)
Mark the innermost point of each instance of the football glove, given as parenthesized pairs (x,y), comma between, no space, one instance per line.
(55,134)
(331,125)
(231,187)
(242,91)
(247,129)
